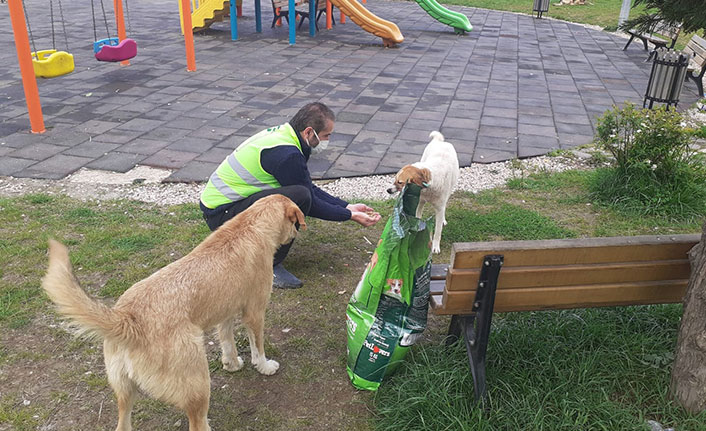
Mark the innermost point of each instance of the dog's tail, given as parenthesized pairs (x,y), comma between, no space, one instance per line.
(437,135)
(92,318)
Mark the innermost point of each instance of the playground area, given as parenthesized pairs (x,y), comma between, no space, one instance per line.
(515,86)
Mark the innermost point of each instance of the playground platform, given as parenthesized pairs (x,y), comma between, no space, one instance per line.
(515,86)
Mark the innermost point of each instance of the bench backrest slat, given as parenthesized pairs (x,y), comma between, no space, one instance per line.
(668,31)
(590,272)
(573,251)
(563,297)
(570,275)
(284,4)
(697,46)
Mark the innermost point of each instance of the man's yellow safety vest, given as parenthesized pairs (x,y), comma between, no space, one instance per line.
(241,174)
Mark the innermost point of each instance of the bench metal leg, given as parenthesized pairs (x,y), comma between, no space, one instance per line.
(476,327)
(629,41)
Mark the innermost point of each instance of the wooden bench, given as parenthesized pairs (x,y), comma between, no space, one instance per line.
(553,274)
(662,35)
(280,9)
(697,65)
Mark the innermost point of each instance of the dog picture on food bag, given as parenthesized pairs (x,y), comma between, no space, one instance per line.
(153,338)
(437,173)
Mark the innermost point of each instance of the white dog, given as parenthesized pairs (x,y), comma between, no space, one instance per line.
(437,173)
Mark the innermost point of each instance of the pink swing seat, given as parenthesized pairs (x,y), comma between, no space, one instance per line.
(125,50)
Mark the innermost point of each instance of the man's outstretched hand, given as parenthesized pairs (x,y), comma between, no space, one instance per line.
(363,214)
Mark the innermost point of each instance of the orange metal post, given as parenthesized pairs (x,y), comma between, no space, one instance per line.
(188,36)
(343,18)
(120,23)
(24,58)
(328,15)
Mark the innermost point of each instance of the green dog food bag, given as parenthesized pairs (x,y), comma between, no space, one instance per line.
(387,312)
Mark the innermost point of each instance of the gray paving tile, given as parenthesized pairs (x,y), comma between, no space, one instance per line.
(165,134)
(395,160)
(413,148)
(417,135)
(96,127)
(498,132)
(351,163)
(116,162)
(532,129)
(192,145)
(38,151)
(370,137)
(487,120)
(347,128)
(55,167)
(116,136)
(489,155)
(352,117)
(141,125)
(567,140)
(536,141)
(22,139)
(11,165)
(143,146)
(169,159)
(194,171)
(92,149)
(574,129)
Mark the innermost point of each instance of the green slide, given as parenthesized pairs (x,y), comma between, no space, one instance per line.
(456,20)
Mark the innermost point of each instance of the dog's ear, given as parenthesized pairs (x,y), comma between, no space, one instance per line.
(295,215)
(425,176)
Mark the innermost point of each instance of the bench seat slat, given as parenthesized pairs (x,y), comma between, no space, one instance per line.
(567,275)
(437,287)
(562,297)
(574,251)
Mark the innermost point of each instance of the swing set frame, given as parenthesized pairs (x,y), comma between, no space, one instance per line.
(24,55)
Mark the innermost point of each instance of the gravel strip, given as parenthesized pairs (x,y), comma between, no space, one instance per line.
(144,184)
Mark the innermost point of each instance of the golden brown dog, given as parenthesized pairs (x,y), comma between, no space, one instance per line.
(154,335)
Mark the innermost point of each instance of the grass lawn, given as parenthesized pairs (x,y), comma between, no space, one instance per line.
(575,369)
(602,13)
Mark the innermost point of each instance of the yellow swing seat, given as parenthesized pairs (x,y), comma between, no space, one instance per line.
(51,63)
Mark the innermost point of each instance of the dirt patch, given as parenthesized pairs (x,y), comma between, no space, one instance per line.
(61,382)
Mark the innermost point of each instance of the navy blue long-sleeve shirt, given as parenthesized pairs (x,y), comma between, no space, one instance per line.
(288,166)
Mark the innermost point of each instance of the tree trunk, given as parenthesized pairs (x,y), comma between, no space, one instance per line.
(688,385)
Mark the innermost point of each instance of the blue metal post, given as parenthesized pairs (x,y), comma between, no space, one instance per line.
(233,20)
(258,17)
(292,23)
(312,18)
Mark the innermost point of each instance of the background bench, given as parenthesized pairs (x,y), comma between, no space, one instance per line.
(505,276)
(662,35)
(280,9)
(697,65)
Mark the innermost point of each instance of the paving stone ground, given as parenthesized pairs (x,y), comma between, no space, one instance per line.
(515,86)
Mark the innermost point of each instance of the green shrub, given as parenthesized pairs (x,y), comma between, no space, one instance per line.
(655,170)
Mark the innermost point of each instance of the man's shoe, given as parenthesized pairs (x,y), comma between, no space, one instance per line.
(284,279)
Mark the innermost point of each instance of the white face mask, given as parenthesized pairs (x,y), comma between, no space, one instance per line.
(319,148)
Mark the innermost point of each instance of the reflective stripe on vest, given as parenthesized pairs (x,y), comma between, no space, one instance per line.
(241,174)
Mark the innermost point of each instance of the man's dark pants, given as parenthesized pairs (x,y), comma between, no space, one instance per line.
(300,195)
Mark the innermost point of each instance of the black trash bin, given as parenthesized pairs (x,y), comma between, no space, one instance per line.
(666,77)
(540,6)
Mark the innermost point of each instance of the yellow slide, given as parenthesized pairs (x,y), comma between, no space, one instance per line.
(388,31)
(206,12)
